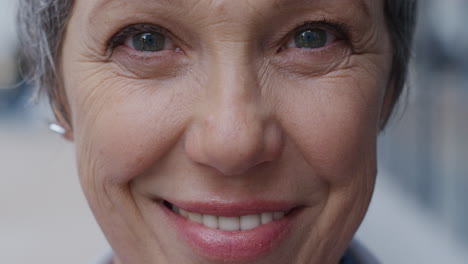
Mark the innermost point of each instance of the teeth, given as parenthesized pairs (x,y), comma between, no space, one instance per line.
(197,218)
(245,222)
(266,218)
(249,221)
(278,215)
(229,223)
(210,221)
(181,212)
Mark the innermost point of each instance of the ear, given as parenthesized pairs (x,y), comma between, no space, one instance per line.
(60,116)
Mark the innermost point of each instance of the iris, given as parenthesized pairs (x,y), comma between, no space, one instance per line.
(149,42)
(311,39)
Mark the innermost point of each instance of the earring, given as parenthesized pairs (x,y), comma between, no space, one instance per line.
(56,128)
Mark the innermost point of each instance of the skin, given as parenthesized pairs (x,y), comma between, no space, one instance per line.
(231,114)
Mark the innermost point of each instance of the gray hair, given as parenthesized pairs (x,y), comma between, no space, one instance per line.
(41,25)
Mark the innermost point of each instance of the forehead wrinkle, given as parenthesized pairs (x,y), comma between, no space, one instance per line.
(360,4)
(103,5)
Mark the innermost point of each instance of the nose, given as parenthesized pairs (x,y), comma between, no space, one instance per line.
(233,130)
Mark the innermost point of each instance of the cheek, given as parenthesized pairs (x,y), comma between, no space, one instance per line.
(122,126)
(333,121)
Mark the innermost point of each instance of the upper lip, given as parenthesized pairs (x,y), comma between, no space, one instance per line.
(232,209)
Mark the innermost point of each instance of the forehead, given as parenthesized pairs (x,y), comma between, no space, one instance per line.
(230,7)
(277,3)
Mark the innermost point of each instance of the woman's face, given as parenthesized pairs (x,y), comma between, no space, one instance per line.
(219,131)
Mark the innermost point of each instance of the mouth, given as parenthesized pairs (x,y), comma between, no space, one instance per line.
(227,231)
(229,223)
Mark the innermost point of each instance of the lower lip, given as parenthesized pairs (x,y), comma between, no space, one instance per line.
(238,245)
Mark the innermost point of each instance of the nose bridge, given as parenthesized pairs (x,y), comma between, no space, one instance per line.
(233,122)
(235,84)
(231,133)
(235,108)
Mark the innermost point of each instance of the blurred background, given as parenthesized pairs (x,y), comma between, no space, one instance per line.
(418,214)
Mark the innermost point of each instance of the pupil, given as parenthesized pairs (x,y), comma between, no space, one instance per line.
(149,42)
(311,39)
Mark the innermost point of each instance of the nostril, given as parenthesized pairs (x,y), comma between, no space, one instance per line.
(233,141)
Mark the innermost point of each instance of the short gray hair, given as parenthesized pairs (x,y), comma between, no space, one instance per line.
(41,25)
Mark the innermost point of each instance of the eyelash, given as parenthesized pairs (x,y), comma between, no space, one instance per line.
(132,30)
(341,31)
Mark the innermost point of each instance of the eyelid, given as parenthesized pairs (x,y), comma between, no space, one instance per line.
(338,29)
(330,39)
(129,31)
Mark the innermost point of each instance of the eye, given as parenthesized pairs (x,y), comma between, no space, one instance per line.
(143,38)
(311,38)
(147,42)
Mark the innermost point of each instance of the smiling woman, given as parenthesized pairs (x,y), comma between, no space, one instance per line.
(223,131)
